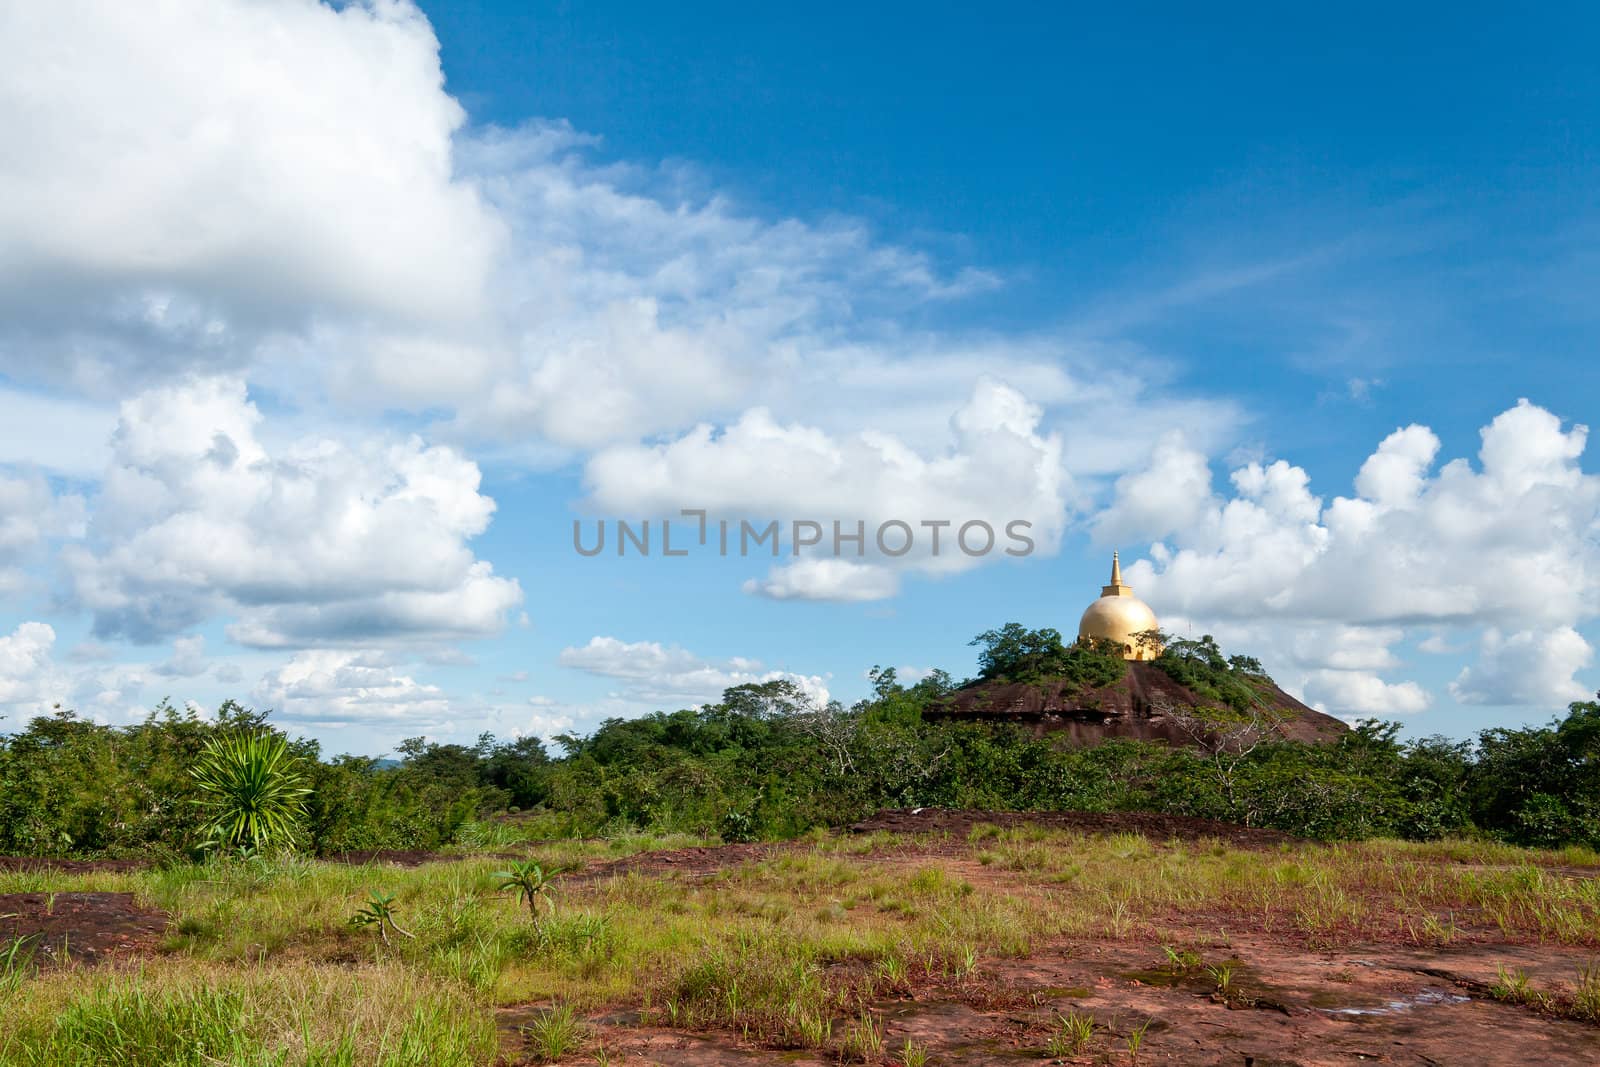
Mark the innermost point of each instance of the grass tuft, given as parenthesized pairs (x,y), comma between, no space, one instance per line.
(554,1032)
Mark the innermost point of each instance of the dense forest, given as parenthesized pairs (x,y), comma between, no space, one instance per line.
(764,763)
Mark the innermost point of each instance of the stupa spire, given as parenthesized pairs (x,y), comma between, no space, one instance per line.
(1116,588)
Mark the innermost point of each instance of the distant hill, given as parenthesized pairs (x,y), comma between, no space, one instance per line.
(1146,704)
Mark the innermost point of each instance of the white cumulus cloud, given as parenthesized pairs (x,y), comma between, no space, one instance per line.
(317,542)
(25,663)
(366,699)
(183,170)
(1526,667)
(1507,546)
(30,515)
(841,580)
(659,673)
(1363,693)
(1512,541)
(33,683)
(998,467)
(188,659)
(341,687)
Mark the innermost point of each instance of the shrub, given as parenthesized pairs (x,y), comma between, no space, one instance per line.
(253,789)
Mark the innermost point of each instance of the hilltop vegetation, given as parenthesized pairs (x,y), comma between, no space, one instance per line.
(762,763)
(1014,653)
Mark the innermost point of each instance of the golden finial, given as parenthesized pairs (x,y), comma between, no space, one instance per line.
(1116,588)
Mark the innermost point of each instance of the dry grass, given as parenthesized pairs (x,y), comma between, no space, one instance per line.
(780,948)
(185,1011)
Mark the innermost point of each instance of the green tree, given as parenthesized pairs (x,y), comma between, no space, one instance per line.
(1015,653)
(1540,785)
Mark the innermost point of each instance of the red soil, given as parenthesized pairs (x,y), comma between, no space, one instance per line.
(37,863)
(1370,999)
(698,861)
(86,927)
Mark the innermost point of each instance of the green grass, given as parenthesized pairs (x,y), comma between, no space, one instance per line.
(1586,993)
(16,963)
(1071,1035)
(187,1014)
(554,1032)
(262,966)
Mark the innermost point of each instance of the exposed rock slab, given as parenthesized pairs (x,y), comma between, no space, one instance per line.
(1145,704)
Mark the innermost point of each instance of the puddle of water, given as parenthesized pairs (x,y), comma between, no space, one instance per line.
(1428,998)
(1077,992)
(1166,977)
(1160,978)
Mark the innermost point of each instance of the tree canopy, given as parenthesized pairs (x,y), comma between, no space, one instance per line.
(1014,653)
(767,761)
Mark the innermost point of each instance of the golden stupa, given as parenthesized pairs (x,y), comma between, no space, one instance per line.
(1121,617)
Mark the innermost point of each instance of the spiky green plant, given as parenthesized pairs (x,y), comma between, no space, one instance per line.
(1586,994)
(379,911)
(253,788)
(864,1041)
(531,882)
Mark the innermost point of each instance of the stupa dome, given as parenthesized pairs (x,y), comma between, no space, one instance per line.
(1119,616)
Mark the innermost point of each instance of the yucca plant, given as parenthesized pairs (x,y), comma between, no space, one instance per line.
(254,789)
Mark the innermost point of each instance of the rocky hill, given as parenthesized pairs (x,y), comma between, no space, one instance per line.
(1146,703)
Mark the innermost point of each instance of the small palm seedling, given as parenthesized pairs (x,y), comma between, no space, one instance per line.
(252,786)
(379,911)
(812,1029)
(1079,1030)
(893,973)
(1436,931)
(1513,986)
(531,883)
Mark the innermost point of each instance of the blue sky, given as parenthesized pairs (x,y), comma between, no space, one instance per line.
(312,350)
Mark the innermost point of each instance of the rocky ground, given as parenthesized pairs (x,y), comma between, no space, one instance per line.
(1232,991)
